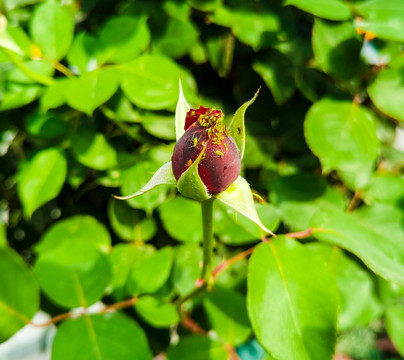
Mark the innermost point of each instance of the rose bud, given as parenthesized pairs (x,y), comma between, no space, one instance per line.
(220,161)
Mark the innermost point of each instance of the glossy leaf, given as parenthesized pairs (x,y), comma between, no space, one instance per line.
(157,313)
(343,135)
(75,229)
(149,273)
(327,9)
(359,303)
(382,253)
(337,48)
(122,258)
(227,314)
(277,72)
(17,95)
(239,197)
(92,149)
(95,337)
(130,224)
(138,179)
(82,53)
(186,267)
(181,218)
(201,348)
(233,228)
(90,90)
(19,293)
(395,326)
(386,92)
(74,274)
(52,27)
(151,81)
(384,18)
(300,196)
(122,39)
(41,178)
(287,285)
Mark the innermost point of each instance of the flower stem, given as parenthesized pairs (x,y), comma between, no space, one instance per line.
(207,217)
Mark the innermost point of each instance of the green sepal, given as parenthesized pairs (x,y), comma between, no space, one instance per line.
(180,114)
(162,176)
(236,126)
(190,183)
(239,197)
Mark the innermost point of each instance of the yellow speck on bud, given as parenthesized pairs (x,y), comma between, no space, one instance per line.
(218,152)
(195,140)
(189,163)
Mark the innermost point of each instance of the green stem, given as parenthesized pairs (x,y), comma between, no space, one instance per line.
(44,80)
(207,217)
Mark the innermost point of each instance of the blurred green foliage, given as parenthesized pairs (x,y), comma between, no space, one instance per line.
(88,91)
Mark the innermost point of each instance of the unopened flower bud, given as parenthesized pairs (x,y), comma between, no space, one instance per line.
(205,133)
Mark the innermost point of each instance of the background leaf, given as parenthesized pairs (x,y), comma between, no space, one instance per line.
(287,285)
(41,179)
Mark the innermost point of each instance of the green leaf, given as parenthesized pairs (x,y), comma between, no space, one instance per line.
(292,301)
(90,90)
(92,149)
(15,39)
(17,95)
(82,54)
(149,273)
(253,25)
(190,183)
(54,95)
(130,224)
(157,313)
(186,268)
(51,28)
(47,126)
(138,177)
(384,188)
(73,274)
(122,39)
(239,197)
(19,293)
(182,220)
(3,236)
(201,348)
(151,81)
(337,48)
(227,314)
(233,228)
(387,91)
(327,9)
(79,229)
(36,66)
(160,126)
(122,257)
(343,135)
(41,178)
(177,39)
(108,337)
(300,196)
(236,126)
(180,113)
(384,18)
(359,304)
(382,253)
(395,326)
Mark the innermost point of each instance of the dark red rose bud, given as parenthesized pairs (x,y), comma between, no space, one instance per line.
(220,164)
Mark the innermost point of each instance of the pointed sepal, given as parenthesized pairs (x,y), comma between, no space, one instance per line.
(180,114)
(163,176)
(239,197)
(190,183)
(236,126)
